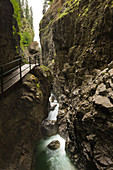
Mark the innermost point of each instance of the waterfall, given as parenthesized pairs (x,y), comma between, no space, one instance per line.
(47,159)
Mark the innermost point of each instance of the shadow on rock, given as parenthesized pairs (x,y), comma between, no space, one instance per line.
(49,127)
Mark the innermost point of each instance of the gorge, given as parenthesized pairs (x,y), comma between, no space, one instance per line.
(77,53)
(54,157)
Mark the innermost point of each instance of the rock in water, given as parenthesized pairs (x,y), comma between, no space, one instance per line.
(55,144)
(53,107)
(49,127)
(52,98)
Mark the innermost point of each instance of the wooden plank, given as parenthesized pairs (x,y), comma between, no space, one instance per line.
(14,77)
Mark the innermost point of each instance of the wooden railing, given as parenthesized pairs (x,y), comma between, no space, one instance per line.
(18,65)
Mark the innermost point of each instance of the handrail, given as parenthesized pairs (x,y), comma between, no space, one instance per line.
(10,70)
(10,62)
(19,65)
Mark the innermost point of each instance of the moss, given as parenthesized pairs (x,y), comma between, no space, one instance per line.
(62,15)
(85,11)
(47,26)
(111,3)
(45,37)
(55,55)
(46,34)
(70,7)
(45,68)
(37,85)
(48,73)
(53,61)
(59,9)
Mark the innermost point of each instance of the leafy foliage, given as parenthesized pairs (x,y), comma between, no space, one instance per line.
(24,16)
(16,10)
(26,38)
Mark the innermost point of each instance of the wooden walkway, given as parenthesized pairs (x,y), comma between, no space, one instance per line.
(14,77)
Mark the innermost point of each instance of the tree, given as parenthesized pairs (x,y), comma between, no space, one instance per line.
(46,4)
(22,3)
(21,9)
(31,17)
(16,10)
(26,10)
(24,18)
(26,38)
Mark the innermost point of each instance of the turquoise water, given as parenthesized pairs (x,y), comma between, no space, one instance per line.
(52,159)
(47,159)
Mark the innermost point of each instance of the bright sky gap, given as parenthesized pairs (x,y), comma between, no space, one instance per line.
(37,6)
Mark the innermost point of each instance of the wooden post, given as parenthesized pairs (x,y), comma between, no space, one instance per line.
(20,68)
(1,79)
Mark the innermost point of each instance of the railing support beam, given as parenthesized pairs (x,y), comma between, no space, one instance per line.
(30,63)
(20,68)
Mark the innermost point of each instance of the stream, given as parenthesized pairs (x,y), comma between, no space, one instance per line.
(47,159)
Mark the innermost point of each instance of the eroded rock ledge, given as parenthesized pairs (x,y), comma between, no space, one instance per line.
(76,38)
(21,112)
(89,121)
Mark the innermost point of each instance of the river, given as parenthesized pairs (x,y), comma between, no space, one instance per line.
(47,159)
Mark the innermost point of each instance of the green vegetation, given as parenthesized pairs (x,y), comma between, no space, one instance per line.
(46,69)
(62,15)
(24,17)
(47,26)
(46,4)
(70,6)
(37,85)
(16,10)
(47,73)
(53,61)
(26,38)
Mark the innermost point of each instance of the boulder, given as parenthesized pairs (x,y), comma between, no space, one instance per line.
(52,98)
(49,127)
(103,101)
(33,47)
(54,145)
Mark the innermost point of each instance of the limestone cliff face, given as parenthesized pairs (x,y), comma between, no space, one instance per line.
(8,42)
(76,38)
(22,110)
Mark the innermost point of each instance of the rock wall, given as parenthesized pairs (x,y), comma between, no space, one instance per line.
(22,109)
(76,39)
(8,41)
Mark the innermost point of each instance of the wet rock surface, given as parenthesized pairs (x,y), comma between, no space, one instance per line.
(49,127)
(22,109)
(77,45)
(54,145)
(53,107)
(92,123)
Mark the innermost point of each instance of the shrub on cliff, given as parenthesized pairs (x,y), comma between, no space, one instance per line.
(24,17)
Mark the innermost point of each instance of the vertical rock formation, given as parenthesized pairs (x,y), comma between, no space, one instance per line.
(8,42)
(76,38)
(22,110)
